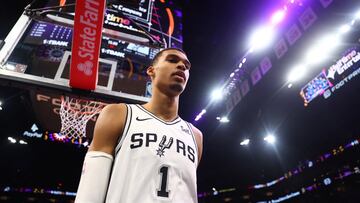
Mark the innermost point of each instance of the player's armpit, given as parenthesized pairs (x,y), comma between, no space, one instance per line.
(199,140)
(108,128)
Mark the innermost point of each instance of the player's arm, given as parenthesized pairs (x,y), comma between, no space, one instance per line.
(199,140)
(108,128)
(99,159)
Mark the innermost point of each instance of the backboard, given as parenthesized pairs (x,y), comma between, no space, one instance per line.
(36,54)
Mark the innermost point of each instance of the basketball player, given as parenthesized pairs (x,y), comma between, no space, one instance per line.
(145,153)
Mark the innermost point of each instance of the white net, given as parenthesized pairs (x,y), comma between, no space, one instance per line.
(75,113)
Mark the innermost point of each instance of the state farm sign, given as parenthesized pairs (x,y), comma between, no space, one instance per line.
(88,23)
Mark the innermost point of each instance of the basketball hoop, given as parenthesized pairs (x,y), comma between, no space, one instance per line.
(75,113)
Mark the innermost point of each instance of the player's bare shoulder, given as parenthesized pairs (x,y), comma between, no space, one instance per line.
(199,139)
(109,127)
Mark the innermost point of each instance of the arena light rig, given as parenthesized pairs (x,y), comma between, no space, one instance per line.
(323,47)
(260,39)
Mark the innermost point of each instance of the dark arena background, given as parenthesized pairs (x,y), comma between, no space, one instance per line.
(274,87)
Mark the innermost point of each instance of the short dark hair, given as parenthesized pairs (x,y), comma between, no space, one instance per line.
(159,54)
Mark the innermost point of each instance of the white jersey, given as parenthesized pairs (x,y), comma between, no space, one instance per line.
(155,161)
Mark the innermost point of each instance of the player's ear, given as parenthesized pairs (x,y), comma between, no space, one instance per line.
(150,71)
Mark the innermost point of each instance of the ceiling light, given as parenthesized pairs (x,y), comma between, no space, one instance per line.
(270,139)
(245,142)
(217,94)
(296,73)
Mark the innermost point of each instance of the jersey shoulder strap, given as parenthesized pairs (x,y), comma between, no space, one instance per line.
(129,115)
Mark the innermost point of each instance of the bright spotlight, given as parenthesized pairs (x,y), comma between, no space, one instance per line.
(217,94)
(278,16)
(315,55)
(357,15)
(22,142)
(223,119)
(297,73)
(262,38)
(198,117)
(245,142)
(329,42)
(251,50)
(353,22)
(322,49)
(215,191)
(270,139)
(345,28)
(12,140)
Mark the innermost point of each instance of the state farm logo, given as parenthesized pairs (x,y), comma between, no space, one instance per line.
(86,67)
(87,37)
(85,52)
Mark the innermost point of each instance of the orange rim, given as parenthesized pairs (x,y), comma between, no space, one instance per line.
(67,105)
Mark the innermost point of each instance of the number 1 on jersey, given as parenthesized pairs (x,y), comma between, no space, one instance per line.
(163,192)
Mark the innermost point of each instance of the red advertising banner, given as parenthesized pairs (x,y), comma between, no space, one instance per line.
(88,24)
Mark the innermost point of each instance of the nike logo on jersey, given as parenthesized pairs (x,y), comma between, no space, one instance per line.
(142,119)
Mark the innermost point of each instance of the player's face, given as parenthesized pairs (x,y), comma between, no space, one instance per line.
(171,72)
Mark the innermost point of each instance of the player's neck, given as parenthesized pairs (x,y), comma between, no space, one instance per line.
(163,106)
